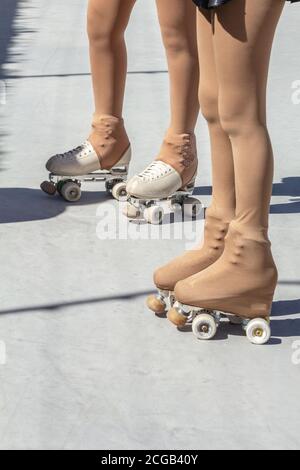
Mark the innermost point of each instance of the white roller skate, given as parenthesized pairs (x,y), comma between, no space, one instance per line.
(168,181)
(104,157)
(205,323)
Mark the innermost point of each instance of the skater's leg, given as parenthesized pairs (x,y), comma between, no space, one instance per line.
(242,72)
(178,27)
(178,155)
(243,280)
(106,25)
(223,197)
(222,208)
(108,143)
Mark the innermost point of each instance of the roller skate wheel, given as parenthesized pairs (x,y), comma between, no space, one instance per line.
(258,331)
(156,304)
(176,207)
(204,327)
(192,207)
(154,215)
(119,191)
(48,187)
(233,320)
(177,318)
(131,211)
(108,187)
(71,192)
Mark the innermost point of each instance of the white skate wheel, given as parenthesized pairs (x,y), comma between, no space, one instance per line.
(258,331)
(119,191)
(192,207)
(131,211)
(108,187)
(204,326)
(154,215)
(71,192)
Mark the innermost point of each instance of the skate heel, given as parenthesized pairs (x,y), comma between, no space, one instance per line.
(124,162)
(190,187)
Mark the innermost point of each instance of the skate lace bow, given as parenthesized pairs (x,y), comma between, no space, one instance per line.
(155,170)
(82,150)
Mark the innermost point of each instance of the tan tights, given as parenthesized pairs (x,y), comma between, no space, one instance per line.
(235,45)
(107,22)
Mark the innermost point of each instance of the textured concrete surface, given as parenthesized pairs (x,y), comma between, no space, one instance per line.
(87,366)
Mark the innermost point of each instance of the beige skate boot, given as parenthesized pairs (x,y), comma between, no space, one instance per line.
(173,173)
(191,262)
(107,146)
(240,284)
(105,156)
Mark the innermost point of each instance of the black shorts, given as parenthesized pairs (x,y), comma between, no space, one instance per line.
(217,3)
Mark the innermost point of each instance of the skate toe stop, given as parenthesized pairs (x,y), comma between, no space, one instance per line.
(176,318)
(157,306)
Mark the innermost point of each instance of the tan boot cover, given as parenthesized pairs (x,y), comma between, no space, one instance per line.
(180,152)
(195,260)
(109,139)
(241,282)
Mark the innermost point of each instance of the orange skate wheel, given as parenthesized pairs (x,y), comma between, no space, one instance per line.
(176,318)
(158,306)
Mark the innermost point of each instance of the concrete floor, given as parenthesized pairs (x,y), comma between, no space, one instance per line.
(87,366)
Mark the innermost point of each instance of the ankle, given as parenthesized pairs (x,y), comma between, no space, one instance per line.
(250,231)
(180,152)
(109,139)
(223,213)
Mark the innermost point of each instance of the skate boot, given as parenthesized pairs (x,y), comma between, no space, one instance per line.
(105,156)
(191,262)
(170,178)
(240,284)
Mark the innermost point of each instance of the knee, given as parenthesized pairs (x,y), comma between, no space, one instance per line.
(240,113)
(239,124)
(209,105)
(100,32)
(177,42)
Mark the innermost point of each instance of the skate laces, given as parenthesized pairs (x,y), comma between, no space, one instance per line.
(156,170)
(82,150)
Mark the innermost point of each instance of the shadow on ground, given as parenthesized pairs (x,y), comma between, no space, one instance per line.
(289,186)
(57,307)
(281,328)
(26,204)
(10,30)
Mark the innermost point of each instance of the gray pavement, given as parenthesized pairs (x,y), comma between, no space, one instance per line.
(86,365)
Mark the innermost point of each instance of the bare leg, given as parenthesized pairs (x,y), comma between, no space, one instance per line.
(108,143)
(107,22)
(178,26)
(176,165)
